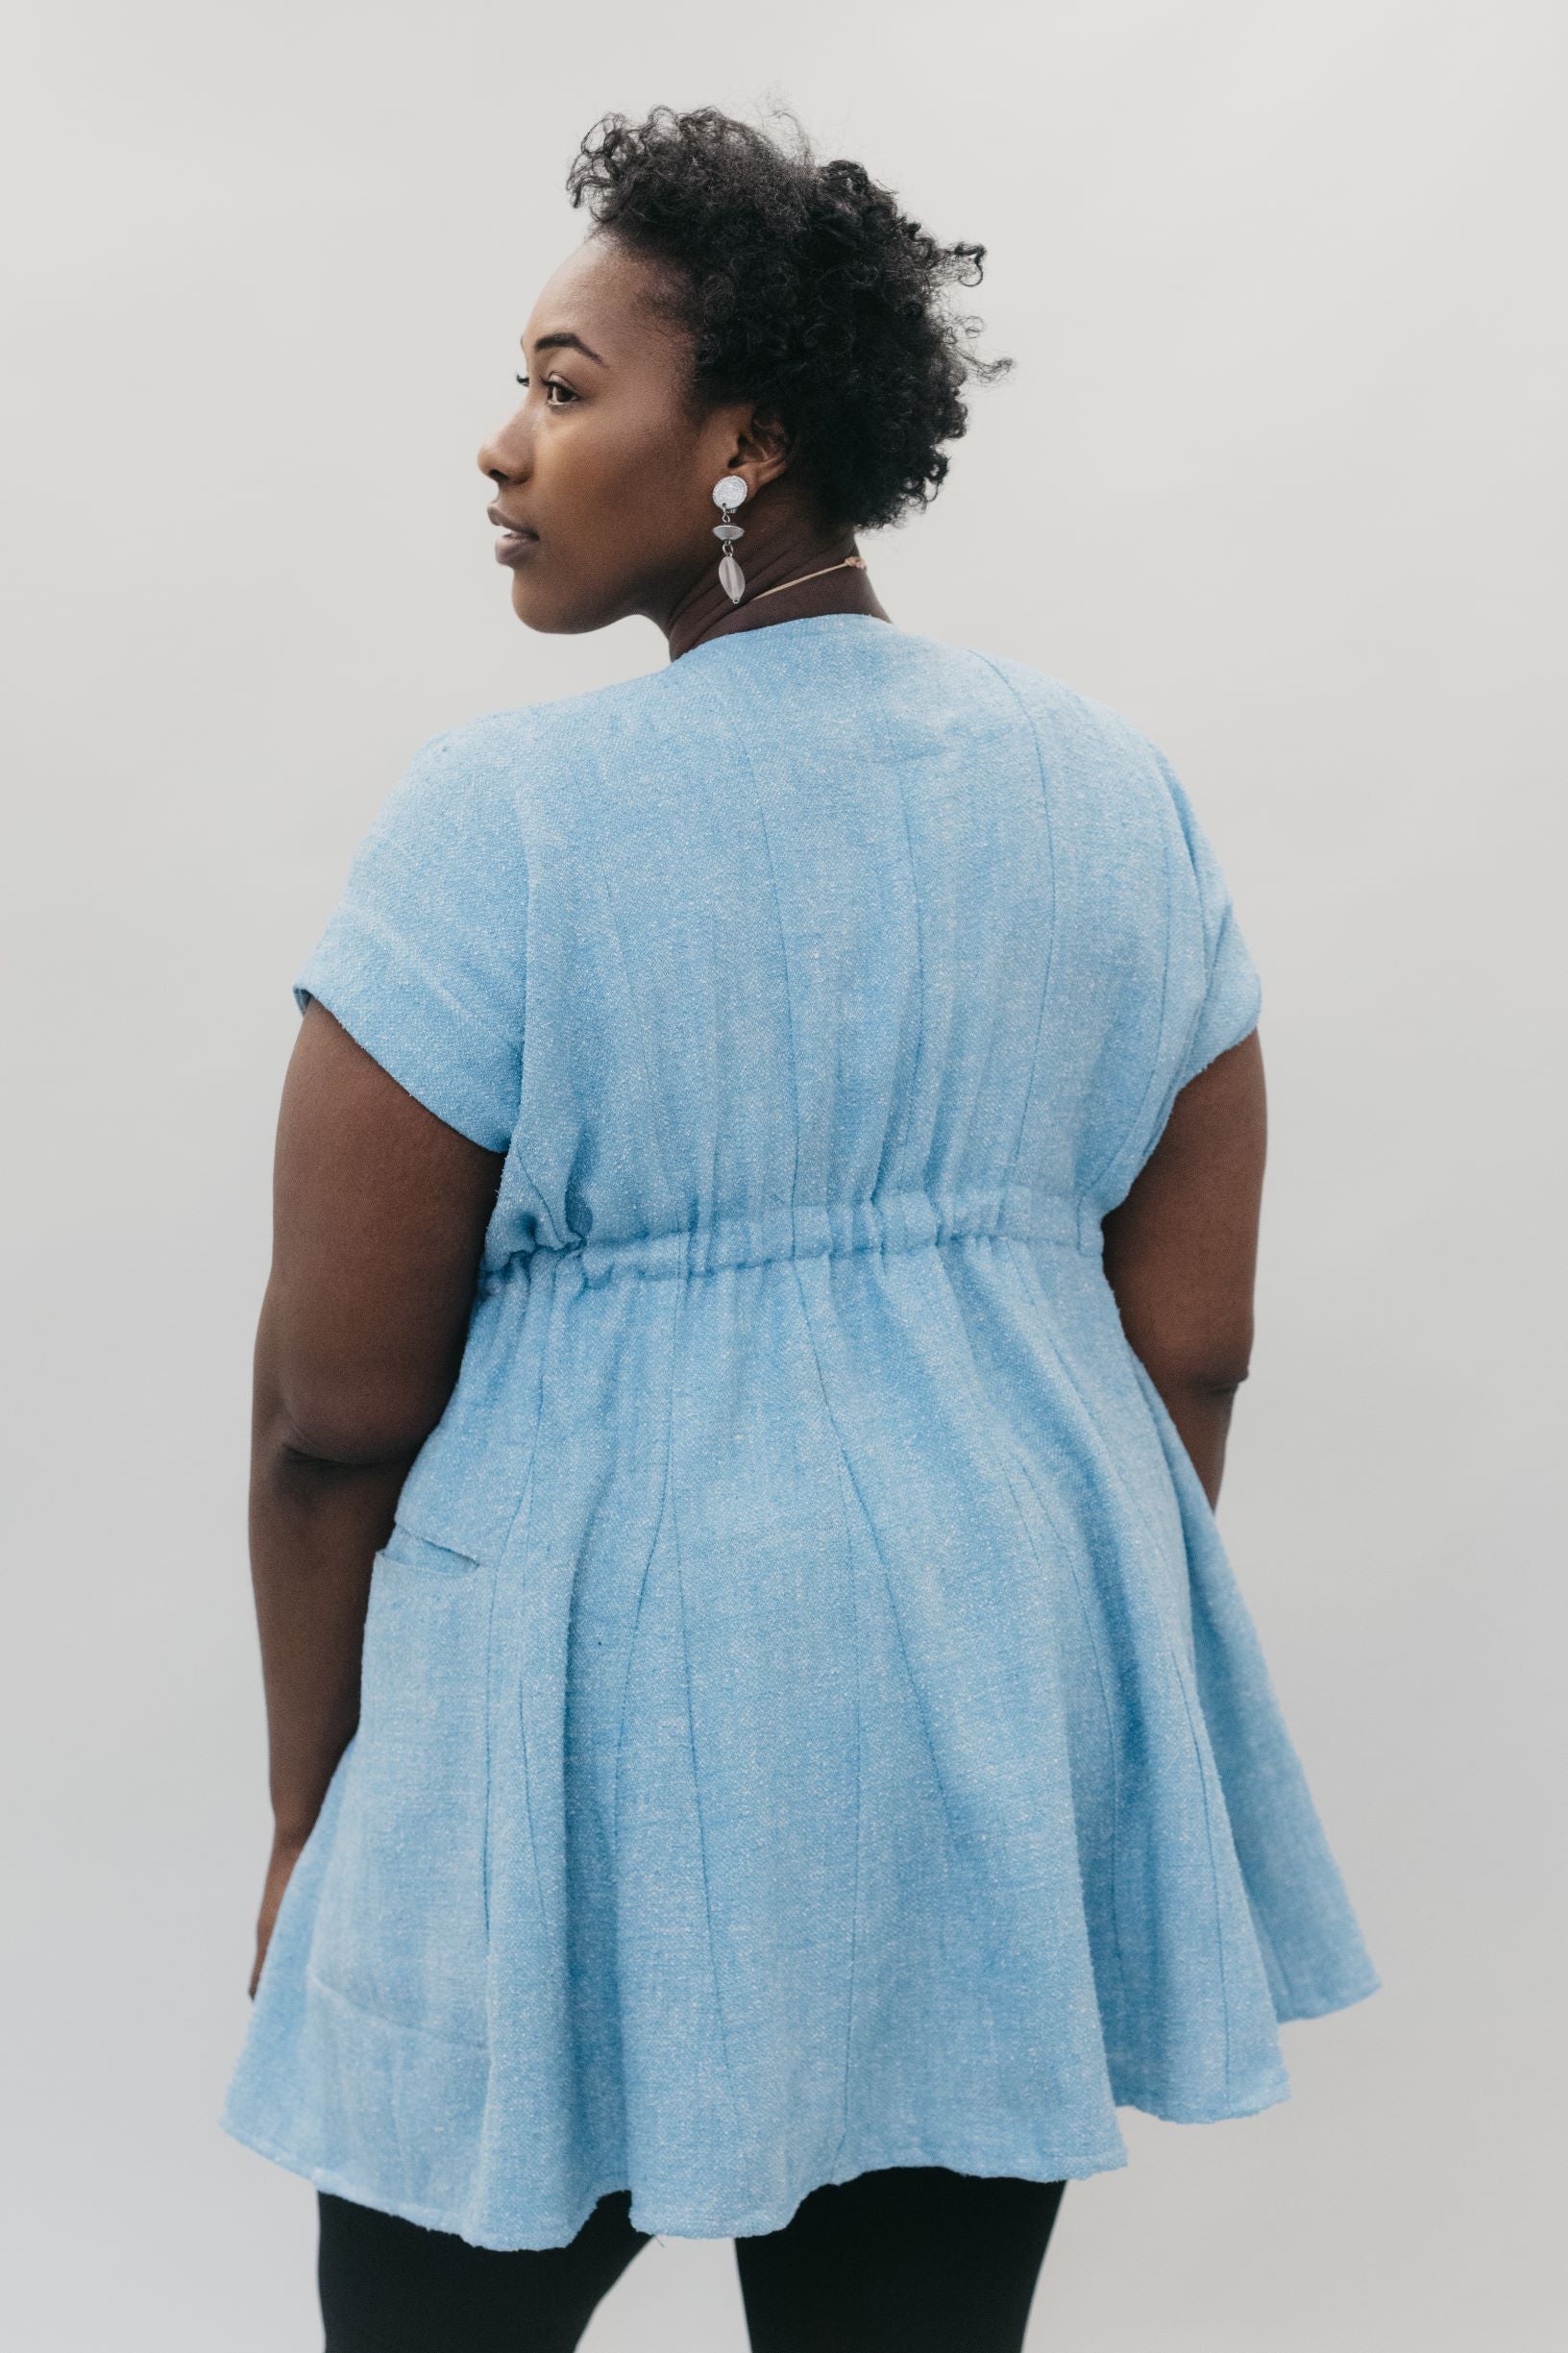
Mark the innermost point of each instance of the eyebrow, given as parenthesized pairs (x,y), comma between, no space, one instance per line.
(564,342)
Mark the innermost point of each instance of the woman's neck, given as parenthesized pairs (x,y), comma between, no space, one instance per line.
(777,590)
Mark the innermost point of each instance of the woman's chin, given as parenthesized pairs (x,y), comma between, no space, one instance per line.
(530,608)
(548,615)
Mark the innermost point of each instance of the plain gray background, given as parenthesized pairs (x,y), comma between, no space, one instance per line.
(1278,473)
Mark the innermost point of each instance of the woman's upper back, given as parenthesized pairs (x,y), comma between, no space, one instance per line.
(828,929)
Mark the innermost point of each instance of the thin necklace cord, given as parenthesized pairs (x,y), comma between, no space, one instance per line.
(858,561)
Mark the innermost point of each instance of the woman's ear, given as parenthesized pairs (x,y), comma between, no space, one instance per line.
(762,450)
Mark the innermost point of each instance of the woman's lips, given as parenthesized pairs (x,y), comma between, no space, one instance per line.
(512,546)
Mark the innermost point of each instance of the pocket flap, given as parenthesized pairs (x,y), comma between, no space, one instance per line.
(408,1548)
(447,1501)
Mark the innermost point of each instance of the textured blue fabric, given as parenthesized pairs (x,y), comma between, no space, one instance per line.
(809,1720)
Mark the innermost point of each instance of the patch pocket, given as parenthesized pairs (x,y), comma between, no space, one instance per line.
(400,1927)
(412,1550)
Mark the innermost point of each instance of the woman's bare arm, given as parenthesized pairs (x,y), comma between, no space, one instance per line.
(379,1217)
(1181,1251)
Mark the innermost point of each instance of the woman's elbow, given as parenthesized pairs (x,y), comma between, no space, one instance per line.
(350,1414)
(1211,1364)
(352,1429)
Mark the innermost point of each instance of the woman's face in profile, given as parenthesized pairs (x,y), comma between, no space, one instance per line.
(605,468)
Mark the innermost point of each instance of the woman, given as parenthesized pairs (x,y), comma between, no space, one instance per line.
(765,1740)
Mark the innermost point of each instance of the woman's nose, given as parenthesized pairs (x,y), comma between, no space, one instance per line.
(505,456)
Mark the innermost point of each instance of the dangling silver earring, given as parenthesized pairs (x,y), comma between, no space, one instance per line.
(728,493)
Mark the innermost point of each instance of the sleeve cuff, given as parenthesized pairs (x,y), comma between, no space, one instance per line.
(1232,1005)
(419,1033)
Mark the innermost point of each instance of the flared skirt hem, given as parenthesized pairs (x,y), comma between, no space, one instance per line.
(660,2219)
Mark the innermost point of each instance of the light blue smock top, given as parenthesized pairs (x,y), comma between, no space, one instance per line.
(809,1722)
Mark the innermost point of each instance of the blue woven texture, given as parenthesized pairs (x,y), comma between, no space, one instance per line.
(809,1719)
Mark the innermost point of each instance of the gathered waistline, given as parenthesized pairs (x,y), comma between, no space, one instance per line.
(839,1229)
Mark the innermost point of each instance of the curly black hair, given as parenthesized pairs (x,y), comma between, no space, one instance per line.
(804,288)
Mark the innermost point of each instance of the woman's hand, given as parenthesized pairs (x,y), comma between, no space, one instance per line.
(286,1853)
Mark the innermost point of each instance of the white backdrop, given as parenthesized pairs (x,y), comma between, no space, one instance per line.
(1278,473)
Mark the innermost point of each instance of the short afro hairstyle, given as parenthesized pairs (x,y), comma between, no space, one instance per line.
(804,288)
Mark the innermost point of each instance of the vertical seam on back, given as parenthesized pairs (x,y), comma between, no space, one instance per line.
(1033,732)
(955,1842)
(911,1095)
(655,1108)
(1047,1509)
(691,1745)
(642,1590)
(525,1512)
(841,1462)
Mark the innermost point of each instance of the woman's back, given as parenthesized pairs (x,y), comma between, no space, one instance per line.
(839,1739)
(832,915)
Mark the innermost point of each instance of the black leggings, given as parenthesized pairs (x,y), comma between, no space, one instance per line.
(911,2258)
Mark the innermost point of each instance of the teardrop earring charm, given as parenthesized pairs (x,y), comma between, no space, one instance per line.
(728,491)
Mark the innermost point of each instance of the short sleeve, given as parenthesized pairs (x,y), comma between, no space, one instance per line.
(423,957)
(1231,990)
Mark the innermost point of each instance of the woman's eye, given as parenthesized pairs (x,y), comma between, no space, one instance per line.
(552,383)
